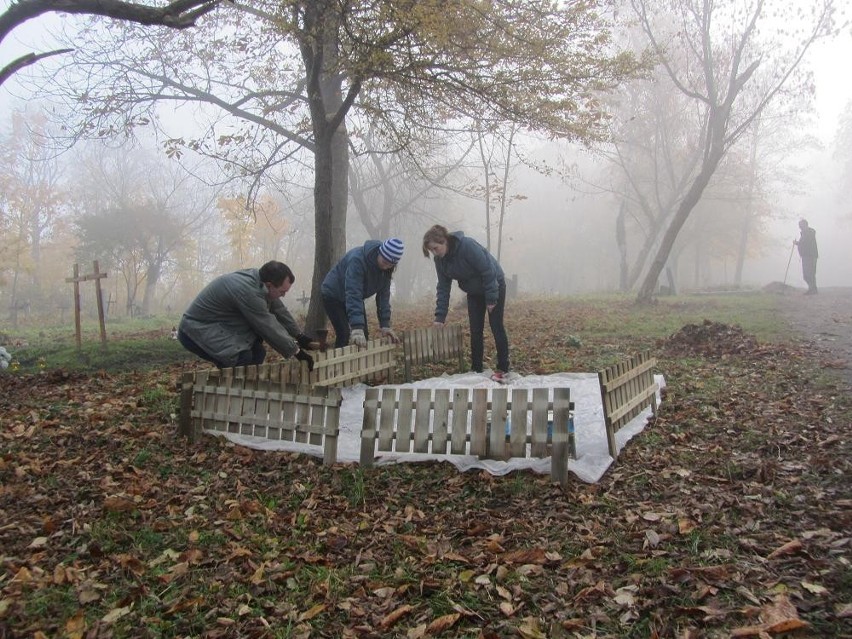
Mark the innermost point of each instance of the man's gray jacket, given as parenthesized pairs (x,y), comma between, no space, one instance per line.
(232,311)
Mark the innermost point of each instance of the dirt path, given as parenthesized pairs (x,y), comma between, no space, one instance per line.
(825,321)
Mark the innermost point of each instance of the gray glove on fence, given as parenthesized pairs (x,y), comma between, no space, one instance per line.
(358,338)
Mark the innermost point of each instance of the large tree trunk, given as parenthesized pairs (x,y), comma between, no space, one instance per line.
(621,242)
(152,278)
(331,156)
(749,214)
(693,195)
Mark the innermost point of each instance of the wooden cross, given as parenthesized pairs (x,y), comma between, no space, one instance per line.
(97,276)
(304,299)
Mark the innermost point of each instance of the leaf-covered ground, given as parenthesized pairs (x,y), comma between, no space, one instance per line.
(728,516)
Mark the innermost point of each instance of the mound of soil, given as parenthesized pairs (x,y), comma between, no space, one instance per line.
(709,339)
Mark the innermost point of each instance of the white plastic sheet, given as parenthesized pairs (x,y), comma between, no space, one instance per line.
(592,453)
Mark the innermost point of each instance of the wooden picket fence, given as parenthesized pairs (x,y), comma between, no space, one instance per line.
(285,401)
(627,388)
(488,423)
(333,368)
(269,409)
(428,345)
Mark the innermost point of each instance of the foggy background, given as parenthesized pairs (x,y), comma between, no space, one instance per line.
(559,207)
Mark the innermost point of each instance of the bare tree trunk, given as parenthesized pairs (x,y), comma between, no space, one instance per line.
(621,242)
(152,278)
(687,204)
(504,193)
(749,213)
(331,158)
(486,165)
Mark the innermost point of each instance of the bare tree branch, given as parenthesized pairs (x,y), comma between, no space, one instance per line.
(25,61)
(179,14)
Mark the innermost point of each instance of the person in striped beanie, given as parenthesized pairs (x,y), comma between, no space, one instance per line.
(364,271)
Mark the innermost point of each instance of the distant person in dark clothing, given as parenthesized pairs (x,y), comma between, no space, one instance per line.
(479,275)
(808,252)
(233,316)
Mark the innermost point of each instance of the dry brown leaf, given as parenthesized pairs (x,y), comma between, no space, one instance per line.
(814,588)
(75,626)
(531,556)
(686,525)
(88,595)
(443,623)
(787,549)
(779,616)
(454,556)
(115,614)
(312,612)
(504,593)
(116,504)
(391,618)
(23,576)
(257,577)
(185,604)
(529,629)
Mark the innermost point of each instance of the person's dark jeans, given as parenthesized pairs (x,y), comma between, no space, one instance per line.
(336,313)
(809,273)
(476,311)
(253,357)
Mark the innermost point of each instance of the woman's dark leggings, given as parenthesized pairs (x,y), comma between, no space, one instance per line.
(476,311)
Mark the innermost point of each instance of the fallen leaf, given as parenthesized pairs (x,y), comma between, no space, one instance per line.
(391,618)
(312,612)
(787,549)
(529,629)
(843,611)
(442,623)
(814,588)
(75,626)
(38,542)
(686,525)
(115,614)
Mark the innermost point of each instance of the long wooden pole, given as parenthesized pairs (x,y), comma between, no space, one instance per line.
(77,328)
(97,275)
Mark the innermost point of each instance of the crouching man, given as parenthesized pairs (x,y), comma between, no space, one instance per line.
(234,314)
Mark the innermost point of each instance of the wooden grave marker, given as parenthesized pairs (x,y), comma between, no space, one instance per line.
(97,276)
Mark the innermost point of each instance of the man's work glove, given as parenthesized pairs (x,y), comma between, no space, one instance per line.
(358,338)
(303,356)
(388,332)
(303,341)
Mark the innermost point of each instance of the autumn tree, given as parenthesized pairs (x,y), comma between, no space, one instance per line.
(724,44)
(32,207)
(134,215)
(290,75)
(259,233)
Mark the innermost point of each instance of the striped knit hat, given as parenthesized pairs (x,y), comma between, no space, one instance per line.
(392,249)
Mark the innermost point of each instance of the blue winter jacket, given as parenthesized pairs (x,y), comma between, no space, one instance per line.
(356,277)
(475,269)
